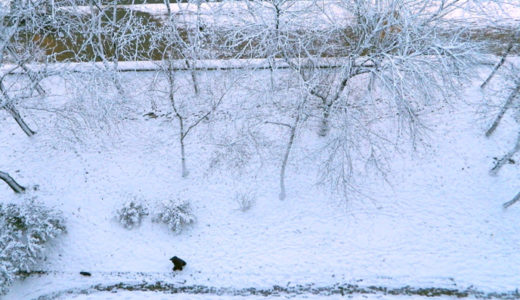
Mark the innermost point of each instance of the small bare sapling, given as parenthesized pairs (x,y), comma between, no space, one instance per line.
(245,200)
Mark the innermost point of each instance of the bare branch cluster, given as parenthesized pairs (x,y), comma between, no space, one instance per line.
(358,72)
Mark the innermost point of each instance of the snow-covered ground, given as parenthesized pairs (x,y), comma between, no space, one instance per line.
(437,222)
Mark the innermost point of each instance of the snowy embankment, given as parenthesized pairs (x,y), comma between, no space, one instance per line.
(157,296)
(436,222)
(177,65)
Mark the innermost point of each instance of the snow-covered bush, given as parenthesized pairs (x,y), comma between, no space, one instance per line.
(25,230)
(176,213)
(245,200)
(6,279)
(131,214)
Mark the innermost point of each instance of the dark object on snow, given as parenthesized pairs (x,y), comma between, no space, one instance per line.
(151,115)
(509,160)
(85,273)
(178,263)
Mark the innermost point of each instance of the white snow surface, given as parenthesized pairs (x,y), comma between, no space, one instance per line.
(438,222)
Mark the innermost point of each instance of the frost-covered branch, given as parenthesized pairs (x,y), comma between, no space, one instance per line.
(506,158)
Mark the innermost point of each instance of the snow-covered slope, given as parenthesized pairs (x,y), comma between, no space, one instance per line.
(438,222)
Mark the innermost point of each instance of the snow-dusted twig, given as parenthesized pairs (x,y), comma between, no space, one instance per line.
(512,201)
(506,158)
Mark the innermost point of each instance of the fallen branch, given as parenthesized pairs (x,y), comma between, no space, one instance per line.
(513,201)
(17,188)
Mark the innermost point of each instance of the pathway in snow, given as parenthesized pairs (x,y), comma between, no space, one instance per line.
(161,289)
(149,285)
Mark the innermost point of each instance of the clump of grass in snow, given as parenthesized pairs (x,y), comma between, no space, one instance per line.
(245,200)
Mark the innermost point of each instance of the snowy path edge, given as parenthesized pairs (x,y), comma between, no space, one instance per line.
(338,289)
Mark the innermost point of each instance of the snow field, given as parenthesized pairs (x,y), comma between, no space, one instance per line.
(438,221)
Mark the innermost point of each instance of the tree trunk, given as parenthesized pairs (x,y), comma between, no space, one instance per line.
(286,158)
(12,183)
(324,126)
(503,110)
(327,104)
(168,8)
(18,118)
(185,171)
(193,78)
(11,109)
(272,66)
(502,60)
(111,69)
(182,132)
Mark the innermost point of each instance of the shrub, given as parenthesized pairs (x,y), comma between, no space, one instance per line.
(245,200)
(131,214)
(177,214)
(25,230)
(6,278)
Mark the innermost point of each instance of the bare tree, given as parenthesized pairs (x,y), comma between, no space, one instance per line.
(115,34)
(405,50)
(498,10)
(296,119)
(511,85)
(183,45)
(189,112)
(400,55)
(514,91)
(348,74)
(385,59)
(18,31)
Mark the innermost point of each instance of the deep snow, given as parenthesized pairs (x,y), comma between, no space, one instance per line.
(438,222)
